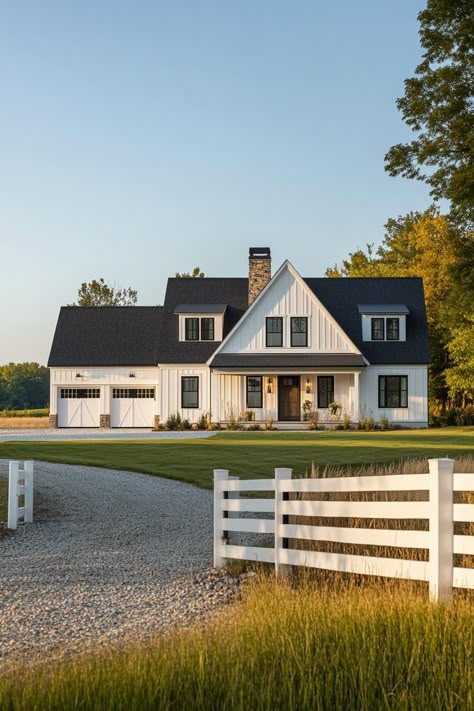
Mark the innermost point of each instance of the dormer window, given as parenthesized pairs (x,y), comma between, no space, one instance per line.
(191,329)
(198,329)
(383,322)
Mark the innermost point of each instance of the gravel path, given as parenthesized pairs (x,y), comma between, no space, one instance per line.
(111,555)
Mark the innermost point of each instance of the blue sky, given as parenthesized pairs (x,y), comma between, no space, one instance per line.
(142,138)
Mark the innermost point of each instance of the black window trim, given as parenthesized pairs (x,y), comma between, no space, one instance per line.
(208,318)
(372,328)
(255,377)
(400,391)
(191,318)
(190,377)
(273,318)
(293,318)
(392,318)
(325,377)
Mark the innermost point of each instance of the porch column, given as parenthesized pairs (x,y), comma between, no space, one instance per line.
(355,399)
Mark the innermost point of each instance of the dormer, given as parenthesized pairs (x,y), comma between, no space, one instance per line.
(201,322)
(383,322)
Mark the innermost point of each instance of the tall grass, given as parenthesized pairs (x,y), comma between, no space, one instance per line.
(334,646)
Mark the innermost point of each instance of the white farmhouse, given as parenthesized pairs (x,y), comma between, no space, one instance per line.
(262,344)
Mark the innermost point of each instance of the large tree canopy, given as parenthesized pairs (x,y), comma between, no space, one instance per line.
(98,293)
(23,386)
(426,245)
(437,105)
(195,274)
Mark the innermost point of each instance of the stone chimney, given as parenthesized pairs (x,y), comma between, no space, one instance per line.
(260,270)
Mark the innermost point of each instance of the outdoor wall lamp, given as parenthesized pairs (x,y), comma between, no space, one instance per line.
(131,375)
(269,386)
(78,375)
(308,385)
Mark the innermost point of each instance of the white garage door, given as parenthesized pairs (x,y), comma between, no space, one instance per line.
(132,407)
(79,407)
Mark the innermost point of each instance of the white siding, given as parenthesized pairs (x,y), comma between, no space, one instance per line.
(289,297)
(417,411)
(170,378)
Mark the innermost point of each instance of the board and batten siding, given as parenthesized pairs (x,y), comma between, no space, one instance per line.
(289,297)
(170,381)
(417,411)
(103,378)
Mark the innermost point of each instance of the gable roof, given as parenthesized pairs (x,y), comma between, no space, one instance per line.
(88,336)
(342,296)
(210,291)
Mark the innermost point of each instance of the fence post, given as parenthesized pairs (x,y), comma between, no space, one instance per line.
(220,475)
(441,529)
(29,492)
(13,476)
(280,495)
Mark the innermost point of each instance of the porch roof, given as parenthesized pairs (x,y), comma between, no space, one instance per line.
(304,360)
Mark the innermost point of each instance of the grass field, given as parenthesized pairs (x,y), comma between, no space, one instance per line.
(249,454)
(24,423)
(284,648)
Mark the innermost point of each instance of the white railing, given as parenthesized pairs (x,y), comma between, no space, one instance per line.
(439,510)
(20,483)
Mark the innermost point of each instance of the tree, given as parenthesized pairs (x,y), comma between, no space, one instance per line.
(460,375)
(98,293)
(195,274)
(424,245)
(437,105)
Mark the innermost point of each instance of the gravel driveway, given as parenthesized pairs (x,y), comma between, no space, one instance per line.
(110,555)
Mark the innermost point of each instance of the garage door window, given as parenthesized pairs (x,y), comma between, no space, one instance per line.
(74,393)
(133,393)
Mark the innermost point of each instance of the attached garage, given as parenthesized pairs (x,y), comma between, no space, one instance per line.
(79,407)
(132,407)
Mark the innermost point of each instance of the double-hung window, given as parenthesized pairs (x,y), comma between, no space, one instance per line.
(299,331)
(378,329)
(325,390)
(393,329)
(191,329)
(207,329)
(393,391)
(254,391)
(189,392)
(274,332)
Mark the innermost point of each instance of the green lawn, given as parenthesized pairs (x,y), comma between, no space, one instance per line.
(248,454)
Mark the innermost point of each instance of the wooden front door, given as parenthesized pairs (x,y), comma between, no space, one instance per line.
(289,398)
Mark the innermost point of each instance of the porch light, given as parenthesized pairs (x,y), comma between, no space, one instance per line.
(308,385)
(269,386)
(78,375)
(131,375)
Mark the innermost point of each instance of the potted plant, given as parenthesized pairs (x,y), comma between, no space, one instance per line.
(306,409)
(334,408)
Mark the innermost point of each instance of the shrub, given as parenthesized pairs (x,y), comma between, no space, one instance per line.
(254,427)
(173,422)
(307,405)
(369,424)
(269,424)
(384,423)
(185,425)
(231,418)
(248,416)
(204,421)
(346,421)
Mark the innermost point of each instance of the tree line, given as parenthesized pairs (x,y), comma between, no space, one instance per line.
(24,386)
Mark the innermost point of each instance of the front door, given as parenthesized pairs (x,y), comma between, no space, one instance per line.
(289,398)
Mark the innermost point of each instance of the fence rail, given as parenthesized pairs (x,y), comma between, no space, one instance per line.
(20,484)
(439,511)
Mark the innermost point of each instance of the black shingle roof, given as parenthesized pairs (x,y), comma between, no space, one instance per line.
(342,296)
(233,292)
(148,335)
(106,335)
(285,360)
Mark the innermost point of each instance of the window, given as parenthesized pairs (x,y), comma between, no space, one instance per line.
(191,329)
(299,331)
(254,391)
(393,329)
(190,392)
(393,391)
(378,329)
(274,332)
(325,390)
(74,393)
(207,329)
(141,393)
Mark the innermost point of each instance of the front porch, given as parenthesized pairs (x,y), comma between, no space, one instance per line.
(288,399)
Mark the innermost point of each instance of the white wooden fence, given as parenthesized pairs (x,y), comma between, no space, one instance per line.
(20,483)
(439,510)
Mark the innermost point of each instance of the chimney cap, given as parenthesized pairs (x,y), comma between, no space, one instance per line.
(259,253)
